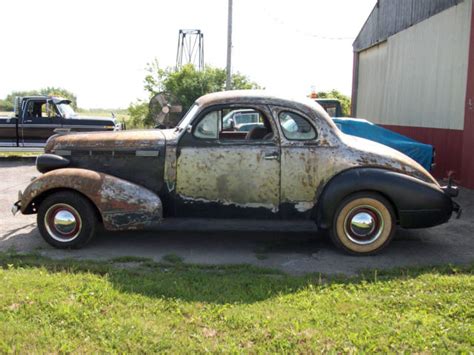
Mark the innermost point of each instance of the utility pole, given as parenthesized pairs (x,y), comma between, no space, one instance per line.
(229,47)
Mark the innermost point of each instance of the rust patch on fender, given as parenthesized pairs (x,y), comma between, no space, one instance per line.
(122,204)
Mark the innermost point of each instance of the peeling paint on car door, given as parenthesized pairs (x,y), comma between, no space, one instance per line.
(305,166)
(239,178)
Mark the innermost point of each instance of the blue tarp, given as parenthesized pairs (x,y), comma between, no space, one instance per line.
(420,152)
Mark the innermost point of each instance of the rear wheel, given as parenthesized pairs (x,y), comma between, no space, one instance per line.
(363,224)
(67,220)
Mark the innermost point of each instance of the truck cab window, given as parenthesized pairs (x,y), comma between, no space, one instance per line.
(33,109)
(37,109)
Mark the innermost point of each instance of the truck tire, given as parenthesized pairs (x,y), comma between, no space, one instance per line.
(364,224)
(66,219)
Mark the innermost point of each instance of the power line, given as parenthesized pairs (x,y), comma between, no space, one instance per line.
(303,32)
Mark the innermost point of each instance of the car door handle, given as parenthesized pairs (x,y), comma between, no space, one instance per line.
(272,156)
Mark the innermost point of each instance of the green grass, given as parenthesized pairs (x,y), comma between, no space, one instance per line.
(18,154)
(62,306)
(172,259)
(130,259)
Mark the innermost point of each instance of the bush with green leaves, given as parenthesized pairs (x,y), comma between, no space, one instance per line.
(48,91)
(185,84)
(335,94)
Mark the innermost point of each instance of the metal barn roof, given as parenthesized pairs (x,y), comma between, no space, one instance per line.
(389,17)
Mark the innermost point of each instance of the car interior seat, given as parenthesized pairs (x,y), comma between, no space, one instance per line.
(257,133)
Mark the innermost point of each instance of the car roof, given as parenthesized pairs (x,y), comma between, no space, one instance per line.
(258,97)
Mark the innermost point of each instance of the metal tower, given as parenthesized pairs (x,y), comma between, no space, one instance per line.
(190,49)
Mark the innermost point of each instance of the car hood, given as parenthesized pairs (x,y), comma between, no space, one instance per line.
(107,141)
(372,154)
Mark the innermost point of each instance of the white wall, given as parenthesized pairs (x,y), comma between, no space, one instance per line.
(418,77)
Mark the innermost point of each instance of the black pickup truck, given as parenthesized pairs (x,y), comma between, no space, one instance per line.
(37,118)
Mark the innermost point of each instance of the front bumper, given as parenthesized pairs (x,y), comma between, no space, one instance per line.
(17,205)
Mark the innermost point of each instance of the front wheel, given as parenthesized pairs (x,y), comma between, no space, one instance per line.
(66,220)
(363,224)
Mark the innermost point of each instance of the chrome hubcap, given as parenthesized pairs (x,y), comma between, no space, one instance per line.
(363,225)
(63,222)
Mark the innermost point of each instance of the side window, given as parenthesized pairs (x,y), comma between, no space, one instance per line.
(37,109)
(296,127)
(236,123)
(34,109)
(208,127)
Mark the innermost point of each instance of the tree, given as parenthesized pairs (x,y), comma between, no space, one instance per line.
(9,102)
(48,91)
(335,94)
(54,91)
(6,106)
(139,117)
(185,84)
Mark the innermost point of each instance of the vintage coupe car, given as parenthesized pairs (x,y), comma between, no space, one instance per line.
(298,165)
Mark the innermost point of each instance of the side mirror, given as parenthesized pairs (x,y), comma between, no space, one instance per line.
(189,129)
(232,124)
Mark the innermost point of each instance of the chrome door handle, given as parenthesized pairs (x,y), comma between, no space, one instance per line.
(271,156)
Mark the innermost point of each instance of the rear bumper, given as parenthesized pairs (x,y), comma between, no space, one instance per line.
(453,191)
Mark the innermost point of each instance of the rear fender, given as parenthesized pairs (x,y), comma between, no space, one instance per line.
(410,197)
(121,204)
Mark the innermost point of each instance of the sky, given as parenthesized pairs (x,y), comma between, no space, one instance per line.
(98,49)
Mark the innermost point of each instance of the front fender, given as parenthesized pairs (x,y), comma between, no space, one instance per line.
(418,204)
(121,204)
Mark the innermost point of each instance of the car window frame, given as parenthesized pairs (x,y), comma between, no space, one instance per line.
(311,124)
(200,118)
(263,109)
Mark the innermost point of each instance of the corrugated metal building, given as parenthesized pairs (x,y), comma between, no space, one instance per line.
(414,74)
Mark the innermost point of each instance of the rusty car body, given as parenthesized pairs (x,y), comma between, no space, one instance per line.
(357,189)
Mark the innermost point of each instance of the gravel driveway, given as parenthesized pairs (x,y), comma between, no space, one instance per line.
(292,247)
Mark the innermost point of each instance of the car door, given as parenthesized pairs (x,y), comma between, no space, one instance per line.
(222,174)
(37,125)
(304,162)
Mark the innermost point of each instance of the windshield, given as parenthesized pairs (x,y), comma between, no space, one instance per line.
(65,110)
(188,117)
